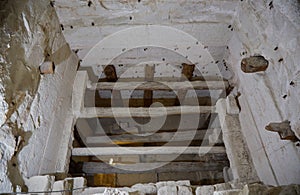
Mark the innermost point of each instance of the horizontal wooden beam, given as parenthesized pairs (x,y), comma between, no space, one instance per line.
(119,112)
(104,151)
(157,167)
(152,85)
(143,138)
(167,79)
(129,159)
(139,102)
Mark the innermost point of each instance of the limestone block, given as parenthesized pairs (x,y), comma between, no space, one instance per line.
(231,105)
(183,183)
(254,188)
(47,67)
(229,192)
(235,184)
(285,190)
(40,183)
(184,190)
(173,183)
(95,190)
(145,188)
(165,183)
(167,190)
(77,183)
(222,186)
(113,191)
(227,172)
(215,137)
(207,190)
(58,186)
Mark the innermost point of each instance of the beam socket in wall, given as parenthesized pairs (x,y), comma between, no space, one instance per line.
(47,67)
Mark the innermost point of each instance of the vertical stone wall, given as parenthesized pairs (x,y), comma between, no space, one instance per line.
(33,108)
(270,29)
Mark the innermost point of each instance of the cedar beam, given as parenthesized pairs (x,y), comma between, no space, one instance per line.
(108,151)
(148,94)
(158,167)
(120,112)
(143,138)
(163,85)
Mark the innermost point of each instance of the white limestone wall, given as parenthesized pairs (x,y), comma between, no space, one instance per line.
(34,107)
(85,24)
(271,29)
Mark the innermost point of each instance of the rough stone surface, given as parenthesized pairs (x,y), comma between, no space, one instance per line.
(215,137)
(227,172)
(172,183)
(222,186)
(40,183)
(229,192)
(167,190)
(237,151)
(231,105)
(254,64)
(208,190)
(145,188)
(273,95)
(58,186)
(33,107)
(184,190)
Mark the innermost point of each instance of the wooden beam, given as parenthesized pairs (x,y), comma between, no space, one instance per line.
(98,167)
(139,102)
(184,158)
(143,138)
(167,79)
(187,71)
(121,112)
(99,151)
(111,77)
(110,73)
(129,159)
(186,74)
(164,85)
(148,94)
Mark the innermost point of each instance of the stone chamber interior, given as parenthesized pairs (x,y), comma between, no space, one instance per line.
(150,97)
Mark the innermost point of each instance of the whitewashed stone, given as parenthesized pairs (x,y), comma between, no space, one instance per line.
(229,192)
(40,183)
(183,183)
(222,186)
(145,188)
(58,186)
(231,105)
(93,190)
(227,173)
(167,190)
(207,190)
(215,137)
(184,190)
(236,148)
